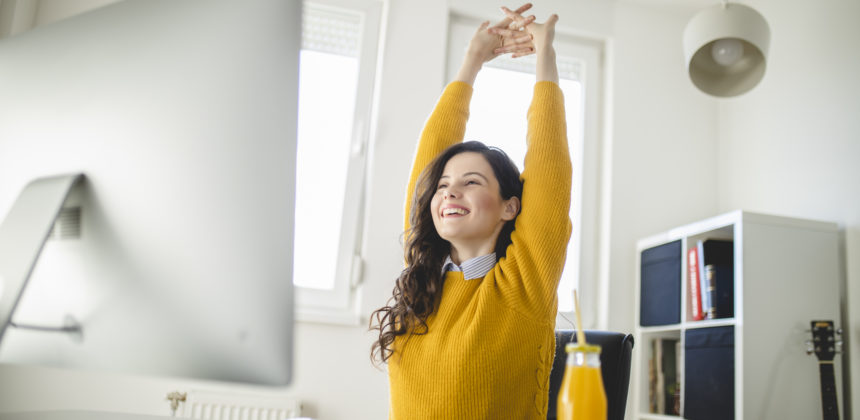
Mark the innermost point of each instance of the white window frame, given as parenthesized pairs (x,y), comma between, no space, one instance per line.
(591,162)
(339,305)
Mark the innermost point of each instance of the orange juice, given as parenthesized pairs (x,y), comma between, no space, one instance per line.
(582,396)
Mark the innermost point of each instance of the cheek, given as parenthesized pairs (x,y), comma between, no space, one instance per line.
(434,206)
(488,202)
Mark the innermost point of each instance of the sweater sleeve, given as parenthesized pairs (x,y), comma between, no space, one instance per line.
(445,127)
(535,259)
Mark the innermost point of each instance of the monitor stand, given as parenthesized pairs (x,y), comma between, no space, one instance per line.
(87,415)
(22,236)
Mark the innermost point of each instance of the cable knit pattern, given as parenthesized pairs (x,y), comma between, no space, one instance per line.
(490,344)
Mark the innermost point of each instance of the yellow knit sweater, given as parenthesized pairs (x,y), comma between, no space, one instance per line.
(490,344)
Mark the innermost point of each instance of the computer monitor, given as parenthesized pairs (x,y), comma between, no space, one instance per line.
(181,117)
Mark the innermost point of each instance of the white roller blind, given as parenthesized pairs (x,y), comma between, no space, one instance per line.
(331,31)
(568,67)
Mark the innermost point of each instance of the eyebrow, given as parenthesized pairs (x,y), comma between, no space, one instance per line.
(467,174)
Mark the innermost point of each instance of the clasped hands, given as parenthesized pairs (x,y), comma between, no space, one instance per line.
(514,34)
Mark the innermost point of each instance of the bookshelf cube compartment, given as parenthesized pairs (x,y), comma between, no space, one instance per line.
(709,277)
(663,382)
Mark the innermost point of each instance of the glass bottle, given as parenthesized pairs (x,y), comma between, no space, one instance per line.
(582,396)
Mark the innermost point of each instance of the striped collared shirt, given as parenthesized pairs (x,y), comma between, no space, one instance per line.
(474,268)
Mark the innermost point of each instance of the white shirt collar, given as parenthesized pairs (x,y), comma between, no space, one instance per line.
(474,268)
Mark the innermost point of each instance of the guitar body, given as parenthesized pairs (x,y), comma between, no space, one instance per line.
(824,344)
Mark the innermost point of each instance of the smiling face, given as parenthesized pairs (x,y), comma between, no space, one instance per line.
(468,210)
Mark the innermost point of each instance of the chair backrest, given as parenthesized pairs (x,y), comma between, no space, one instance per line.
(615,354)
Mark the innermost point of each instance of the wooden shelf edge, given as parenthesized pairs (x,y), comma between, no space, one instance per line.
(653,416)
(689,325)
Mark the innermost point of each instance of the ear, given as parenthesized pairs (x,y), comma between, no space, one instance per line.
(511,208)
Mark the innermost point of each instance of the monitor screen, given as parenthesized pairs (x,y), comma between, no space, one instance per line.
(174,251)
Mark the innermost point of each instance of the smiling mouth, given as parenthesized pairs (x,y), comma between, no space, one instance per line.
(454,211)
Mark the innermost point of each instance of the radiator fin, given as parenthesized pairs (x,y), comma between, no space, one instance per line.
(226,406)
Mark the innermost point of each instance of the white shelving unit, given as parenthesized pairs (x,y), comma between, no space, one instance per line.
(786,274)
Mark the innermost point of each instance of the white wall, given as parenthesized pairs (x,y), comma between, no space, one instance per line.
(664,144)
(792,145)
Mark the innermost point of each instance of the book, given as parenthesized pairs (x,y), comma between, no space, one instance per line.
(711,280)
(703,282)
(652,381)
(676,409)
(694,284)
(721,288)
(670,374)
(660,388)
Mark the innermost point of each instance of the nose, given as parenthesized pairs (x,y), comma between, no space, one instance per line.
(448,194)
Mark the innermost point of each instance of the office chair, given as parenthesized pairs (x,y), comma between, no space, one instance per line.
(615,354)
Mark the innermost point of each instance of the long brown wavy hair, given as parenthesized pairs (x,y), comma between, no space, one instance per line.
(419,286)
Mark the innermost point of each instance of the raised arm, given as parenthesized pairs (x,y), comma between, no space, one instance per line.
(539,240)
(447,124)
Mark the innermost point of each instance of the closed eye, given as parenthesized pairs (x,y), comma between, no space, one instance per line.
(476,177)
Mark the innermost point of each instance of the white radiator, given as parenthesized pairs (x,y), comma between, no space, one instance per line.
(228,406)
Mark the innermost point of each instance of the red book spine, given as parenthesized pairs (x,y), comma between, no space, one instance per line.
(694,284)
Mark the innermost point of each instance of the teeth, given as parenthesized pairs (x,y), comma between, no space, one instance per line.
(453,210)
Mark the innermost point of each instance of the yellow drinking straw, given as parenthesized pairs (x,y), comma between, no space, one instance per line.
(582,395)
(580,334)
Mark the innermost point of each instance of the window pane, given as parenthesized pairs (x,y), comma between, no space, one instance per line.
(327,86)
(498,117)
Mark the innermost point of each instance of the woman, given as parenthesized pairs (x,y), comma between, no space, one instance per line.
(468,332)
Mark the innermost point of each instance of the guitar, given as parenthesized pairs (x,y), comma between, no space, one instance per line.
(823,344)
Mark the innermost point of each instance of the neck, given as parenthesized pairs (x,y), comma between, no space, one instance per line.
(829,402)
(458,256)
(465,251)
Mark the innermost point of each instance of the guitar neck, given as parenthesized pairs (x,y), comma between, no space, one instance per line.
(829,404)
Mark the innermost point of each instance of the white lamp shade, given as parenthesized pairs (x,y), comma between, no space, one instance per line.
(726,71)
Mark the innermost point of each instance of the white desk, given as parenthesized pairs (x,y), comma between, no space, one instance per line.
(86,415)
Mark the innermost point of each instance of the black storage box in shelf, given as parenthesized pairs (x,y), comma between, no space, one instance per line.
(660,296)
(709,380)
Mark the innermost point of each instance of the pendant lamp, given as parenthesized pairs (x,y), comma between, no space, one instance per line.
(725,49)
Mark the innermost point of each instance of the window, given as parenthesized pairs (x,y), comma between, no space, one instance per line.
(337,66)
(502,95)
